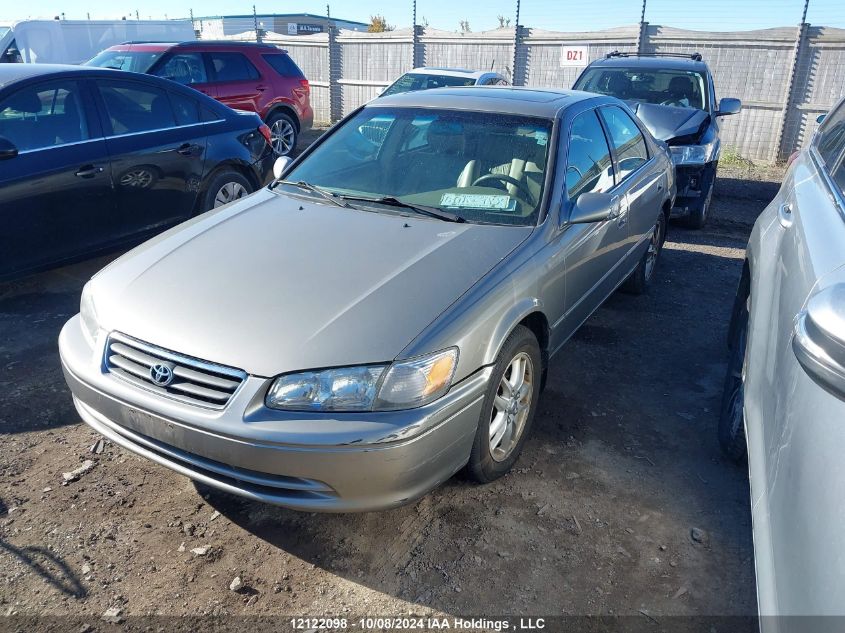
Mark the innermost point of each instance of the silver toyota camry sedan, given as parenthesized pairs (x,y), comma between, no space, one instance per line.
(383,314)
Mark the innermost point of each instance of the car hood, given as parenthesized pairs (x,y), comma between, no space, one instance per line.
(668,122)
(276,283)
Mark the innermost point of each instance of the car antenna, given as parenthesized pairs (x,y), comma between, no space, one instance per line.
(492,63)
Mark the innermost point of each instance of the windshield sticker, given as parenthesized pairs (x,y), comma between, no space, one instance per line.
(542,137)
(478,201)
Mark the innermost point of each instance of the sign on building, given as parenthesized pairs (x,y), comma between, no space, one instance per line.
(292,30)
(574,56)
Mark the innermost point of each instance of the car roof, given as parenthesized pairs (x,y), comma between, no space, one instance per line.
(11,73)
(162,46)
(655,62)
(537,102)
(449,72)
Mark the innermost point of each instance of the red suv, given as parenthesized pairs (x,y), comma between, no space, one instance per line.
(257,77)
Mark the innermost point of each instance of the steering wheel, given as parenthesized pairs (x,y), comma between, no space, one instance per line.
(526,193)
(678,103)
(576,170)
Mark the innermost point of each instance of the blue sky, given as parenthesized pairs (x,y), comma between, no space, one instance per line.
(569,15)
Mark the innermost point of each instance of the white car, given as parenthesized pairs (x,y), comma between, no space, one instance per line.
(785,389)
(426,78)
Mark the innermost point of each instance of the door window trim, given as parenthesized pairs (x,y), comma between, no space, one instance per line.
(607,134)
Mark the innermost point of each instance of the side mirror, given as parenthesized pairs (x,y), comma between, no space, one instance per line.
(7,149)
(729,106)
(818,341)
(593,207)
(820,119)
(281,165)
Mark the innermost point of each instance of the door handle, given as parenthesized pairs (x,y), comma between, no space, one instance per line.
(614,208)
(186,149)
(261,88)
(785,215)
(89,171)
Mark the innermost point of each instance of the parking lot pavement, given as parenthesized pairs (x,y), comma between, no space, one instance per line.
(620,504)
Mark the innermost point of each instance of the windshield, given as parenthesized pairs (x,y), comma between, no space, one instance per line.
(483,167)
(410,82)
(135,61)
(679,88)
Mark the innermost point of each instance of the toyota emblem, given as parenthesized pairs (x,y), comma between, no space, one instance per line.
(161,375)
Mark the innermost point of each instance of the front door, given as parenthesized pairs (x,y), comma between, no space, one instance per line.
(590,254)
(56,198)
(157,146)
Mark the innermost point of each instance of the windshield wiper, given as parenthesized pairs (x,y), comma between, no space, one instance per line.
(307,186)
(423,209)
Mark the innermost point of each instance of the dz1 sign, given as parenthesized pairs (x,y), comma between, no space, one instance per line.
(573,56)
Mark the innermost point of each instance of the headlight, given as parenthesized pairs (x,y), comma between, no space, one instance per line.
(692,154)
(402,385)
(88,315)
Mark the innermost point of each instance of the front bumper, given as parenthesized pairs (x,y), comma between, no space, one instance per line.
(312,462)
(693,183)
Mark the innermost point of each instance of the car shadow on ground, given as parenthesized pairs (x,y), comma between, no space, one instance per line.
(623,462)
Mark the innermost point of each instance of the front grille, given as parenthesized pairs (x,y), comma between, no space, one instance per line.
(190,380)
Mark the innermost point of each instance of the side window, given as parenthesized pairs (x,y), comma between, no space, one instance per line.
(627,140)
(232,67)
(283,65)
(44,115)
(830,144)
(184,68)
(589,167)
(185,109)
(135,107)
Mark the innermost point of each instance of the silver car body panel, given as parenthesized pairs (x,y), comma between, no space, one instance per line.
(794,426)
(280,282)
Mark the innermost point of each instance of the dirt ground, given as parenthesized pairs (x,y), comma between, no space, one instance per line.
(596,519)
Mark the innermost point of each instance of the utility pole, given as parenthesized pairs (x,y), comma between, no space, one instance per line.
(137,15)
(516,80)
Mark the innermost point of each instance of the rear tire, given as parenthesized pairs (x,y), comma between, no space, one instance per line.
(283,133)
(224,187)
(731,414)
(639,280)
(509,407)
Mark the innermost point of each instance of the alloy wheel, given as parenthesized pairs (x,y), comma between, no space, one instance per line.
(511,406)
(282,136)
(654,247)
(228,192)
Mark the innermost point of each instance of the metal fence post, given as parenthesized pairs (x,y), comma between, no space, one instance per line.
(783,149)
(641,38)
(335,71)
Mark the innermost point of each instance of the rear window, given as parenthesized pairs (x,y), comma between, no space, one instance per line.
(233,67)
(284,65)
(409,82)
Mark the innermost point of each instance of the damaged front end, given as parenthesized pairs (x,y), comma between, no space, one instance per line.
(694,145)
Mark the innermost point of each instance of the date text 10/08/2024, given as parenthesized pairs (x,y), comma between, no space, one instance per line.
(417,623)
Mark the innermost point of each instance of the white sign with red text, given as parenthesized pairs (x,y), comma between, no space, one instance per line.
(574,56)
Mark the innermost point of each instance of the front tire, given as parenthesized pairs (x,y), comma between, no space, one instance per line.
(731,413)
(698,214)
(639,280)
(509,407)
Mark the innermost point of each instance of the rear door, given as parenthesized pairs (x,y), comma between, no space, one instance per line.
(186,68)
(157,144)
(56,197)
(236,80)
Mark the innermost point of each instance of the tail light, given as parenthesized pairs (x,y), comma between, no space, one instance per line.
(265,132)
(305,86)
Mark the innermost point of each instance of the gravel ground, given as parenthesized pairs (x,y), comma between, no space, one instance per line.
(621,502)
